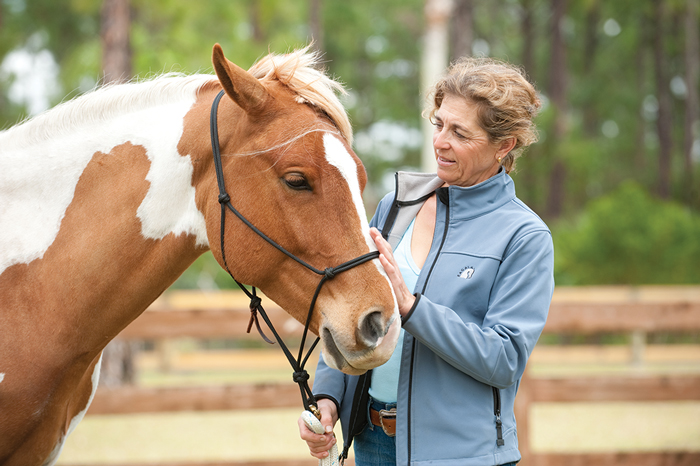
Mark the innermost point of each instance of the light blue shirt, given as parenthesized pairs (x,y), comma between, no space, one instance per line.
(385,378)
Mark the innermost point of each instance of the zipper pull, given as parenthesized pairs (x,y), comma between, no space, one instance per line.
(497,412)
(499,431)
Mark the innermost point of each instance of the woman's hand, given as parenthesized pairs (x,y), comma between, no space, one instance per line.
(319,444)
(404,297)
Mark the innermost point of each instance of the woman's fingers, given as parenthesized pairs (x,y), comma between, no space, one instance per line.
(404,297)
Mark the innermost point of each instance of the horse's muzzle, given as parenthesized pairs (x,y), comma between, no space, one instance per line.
(373,344)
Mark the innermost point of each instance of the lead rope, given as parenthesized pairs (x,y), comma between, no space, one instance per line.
(300,375)
(333,458)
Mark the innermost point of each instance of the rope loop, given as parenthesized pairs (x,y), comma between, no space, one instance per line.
(300,377)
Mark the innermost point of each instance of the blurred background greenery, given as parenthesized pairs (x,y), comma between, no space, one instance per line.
(616,171)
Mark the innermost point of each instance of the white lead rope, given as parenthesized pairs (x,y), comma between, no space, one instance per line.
(315,425)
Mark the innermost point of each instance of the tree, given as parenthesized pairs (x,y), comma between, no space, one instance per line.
(116,43)
(435,59)
(692,73)
(528,33)
(590,120)
(462,31)
(316,22)
(118,356)
(664,120)
(557,94)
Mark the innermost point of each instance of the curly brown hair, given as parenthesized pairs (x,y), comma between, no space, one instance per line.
(506,101)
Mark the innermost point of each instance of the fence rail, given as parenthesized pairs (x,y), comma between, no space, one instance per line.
(573,310)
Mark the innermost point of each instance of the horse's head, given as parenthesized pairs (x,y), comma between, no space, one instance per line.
(290,171)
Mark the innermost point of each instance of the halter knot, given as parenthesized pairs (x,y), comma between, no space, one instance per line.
(224,198)
(300,377)
(255,302)
(329,273)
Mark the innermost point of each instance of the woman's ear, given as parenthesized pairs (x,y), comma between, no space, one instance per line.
(505,147)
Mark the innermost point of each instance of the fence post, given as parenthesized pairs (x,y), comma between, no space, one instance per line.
(522,417)
(639,338)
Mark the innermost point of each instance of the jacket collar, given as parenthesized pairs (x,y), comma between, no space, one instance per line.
(475,201)
(470,202)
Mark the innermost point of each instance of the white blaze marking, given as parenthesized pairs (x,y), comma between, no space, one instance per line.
(339,157)
(38,180)
(2,376)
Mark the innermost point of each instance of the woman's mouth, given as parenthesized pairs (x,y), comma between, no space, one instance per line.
(442,161)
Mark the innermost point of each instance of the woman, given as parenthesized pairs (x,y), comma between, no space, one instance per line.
(472,271)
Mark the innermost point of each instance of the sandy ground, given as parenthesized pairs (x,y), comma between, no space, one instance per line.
(272,434)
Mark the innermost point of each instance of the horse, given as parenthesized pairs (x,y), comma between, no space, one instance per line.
(107,198)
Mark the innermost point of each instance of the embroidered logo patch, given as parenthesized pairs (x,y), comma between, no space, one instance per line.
(466,272)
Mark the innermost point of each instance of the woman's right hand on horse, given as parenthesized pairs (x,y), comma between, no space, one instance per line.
(319,444)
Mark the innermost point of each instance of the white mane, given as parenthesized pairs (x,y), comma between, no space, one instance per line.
(298,70)
(102,105)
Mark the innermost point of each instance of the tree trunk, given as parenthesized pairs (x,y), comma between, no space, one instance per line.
(645,26)
(663,122)
(116,44)
(590,119)
(117,357)
(433,63)
(528,33)
(255,22)
(557,92)
(316,23)
(118,363)
(692,70)
(462,32)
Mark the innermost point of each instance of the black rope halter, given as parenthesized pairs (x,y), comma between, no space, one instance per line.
(300,375)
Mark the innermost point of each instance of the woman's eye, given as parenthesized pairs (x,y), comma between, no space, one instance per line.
(298,183)
(460,136)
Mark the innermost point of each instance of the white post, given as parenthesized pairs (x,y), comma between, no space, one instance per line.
(433,64)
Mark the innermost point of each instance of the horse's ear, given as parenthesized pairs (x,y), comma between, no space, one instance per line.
(239,85)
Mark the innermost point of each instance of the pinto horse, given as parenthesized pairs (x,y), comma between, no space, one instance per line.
(105,200)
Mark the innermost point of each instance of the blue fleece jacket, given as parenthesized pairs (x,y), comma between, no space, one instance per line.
(483,297)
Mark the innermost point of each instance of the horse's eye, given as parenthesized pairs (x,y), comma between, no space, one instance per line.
(297,182)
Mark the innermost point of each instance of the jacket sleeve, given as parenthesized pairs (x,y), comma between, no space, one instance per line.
(329,382)
(494,352)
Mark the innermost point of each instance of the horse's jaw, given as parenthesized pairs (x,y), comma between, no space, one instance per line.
(358,362)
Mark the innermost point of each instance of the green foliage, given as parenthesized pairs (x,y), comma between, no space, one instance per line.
(375,49)
(628,237)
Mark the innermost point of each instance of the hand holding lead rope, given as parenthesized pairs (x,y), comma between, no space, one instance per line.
(314,424)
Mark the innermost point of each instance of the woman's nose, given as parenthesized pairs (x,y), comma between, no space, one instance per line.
(440,139)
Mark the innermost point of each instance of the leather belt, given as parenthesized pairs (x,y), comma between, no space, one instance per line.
(384,418)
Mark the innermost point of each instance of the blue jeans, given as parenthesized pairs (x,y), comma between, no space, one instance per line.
(373,447)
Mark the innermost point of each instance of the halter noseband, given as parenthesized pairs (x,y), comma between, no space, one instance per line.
(300,376)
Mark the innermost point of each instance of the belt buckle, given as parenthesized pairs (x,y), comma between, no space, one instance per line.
(387,414)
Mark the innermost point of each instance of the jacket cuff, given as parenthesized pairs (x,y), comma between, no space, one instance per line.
(405,318)
(322,396)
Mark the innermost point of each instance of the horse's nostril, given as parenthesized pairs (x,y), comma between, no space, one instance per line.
(371,328)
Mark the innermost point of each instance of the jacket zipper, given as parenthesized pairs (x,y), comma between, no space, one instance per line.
(497,412)
(445,200)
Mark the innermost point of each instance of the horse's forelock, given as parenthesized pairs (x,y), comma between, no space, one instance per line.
(299,71)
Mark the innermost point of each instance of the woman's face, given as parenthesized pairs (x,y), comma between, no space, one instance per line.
(464,154)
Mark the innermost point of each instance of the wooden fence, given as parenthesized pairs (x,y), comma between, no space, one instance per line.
(573,311)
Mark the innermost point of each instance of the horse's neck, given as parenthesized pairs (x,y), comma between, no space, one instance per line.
(102,220)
